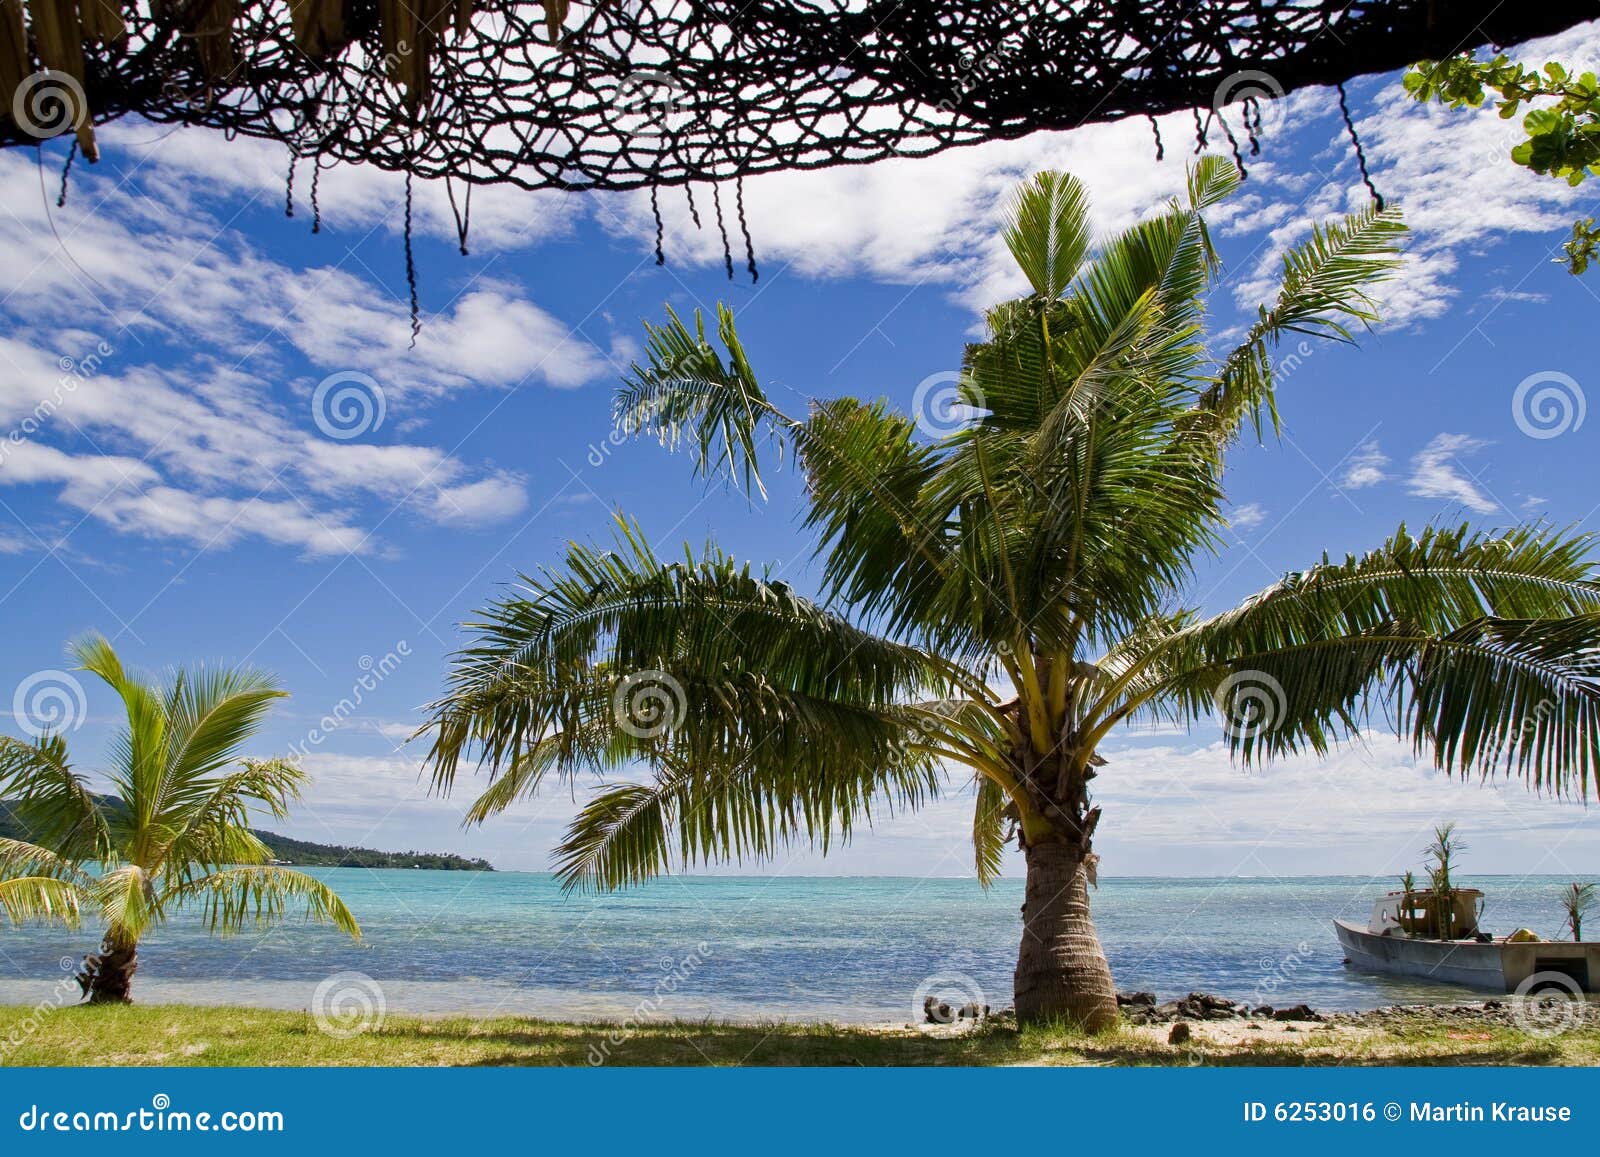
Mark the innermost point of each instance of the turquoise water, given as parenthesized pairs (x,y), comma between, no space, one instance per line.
(745,948)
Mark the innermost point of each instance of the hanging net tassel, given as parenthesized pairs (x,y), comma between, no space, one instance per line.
(411,272)
(1361,155)
(694,212)
(744,227)
(288,190)
(655,211)
(1233,146)
(722,228)
(1161,149)
(66,173)
(1200,139)
(316,206)
(462,214)
(1252,124)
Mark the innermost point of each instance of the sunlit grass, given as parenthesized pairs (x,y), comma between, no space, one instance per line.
(180,1035)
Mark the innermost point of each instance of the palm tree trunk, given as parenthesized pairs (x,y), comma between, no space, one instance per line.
(1062,974)
(107,976)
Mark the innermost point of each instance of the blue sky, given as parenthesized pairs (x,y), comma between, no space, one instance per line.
(177,491)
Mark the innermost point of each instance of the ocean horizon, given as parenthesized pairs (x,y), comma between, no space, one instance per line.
(850,949)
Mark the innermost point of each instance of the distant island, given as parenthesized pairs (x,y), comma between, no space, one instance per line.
(304,854)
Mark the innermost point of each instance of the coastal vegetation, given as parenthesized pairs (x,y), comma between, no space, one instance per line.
(180,1035)
(180,835)
(1037,533)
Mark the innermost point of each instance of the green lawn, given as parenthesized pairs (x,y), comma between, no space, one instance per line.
(175,1035)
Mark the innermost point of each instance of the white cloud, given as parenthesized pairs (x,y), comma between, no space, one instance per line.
(171,427)
(1247,517)
(1365,467)
(1365,808)
(1435,473)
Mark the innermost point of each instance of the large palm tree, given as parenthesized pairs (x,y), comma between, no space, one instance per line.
(176,830)
(1044,545)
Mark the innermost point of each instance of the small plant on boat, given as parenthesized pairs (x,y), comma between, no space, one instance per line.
(1576,900)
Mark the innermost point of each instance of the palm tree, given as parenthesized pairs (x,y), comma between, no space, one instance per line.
(1045,544)
(177,828)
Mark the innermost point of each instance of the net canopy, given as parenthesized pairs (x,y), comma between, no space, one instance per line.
(620,94)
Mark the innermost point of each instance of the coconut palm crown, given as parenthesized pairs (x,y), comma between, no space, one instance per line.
(1043,545)
(176,831)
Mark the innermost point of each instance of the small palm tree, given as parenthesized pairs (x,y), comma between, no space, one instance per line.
(177,829)
(1576,901)
(1442,852)
(1042,544)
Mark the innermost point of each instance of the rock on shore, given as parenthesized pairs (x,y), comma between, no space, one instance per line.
(1143,1008)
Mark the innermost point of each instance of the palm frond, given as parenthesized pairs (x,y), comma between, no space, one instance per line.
(688,394)
(735,654)
(1482,650)
(989,829)
(20,858)
(210,714)
(234,897)
(127,900)
(140,748)
(24,898)
(1323,293)
(53,804)
(1047,230)
(734,812)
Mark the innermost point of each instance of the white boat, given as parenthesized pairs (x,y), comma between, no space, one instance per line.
(1410,934)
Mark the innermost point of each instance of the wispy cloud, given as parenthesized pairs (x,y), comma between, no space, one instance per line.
(1435,473)
(1365,467)
(1247,517)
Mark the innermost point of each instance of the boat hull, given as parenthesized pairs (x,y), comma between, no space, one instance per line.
(1493,967)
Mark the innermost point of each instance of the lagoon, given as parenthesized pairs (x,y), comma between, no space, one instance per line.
(847,949)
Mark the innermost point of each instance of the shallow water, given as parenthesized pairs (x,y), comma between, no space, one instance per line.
(748,948)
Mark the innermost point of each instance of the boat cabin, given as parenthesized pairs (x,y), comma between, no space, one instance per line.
(1428,915)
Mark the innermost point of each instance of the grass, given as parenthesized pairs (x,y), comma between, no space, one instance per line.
(182,1035)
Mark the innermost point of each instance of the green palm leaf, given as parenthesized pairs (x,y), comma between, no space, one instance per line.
(25,898)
